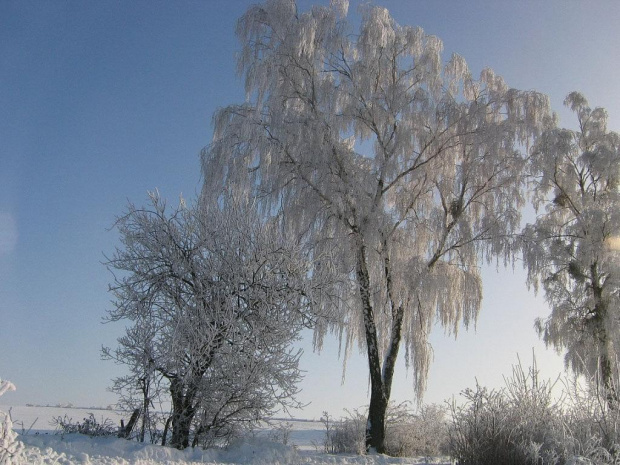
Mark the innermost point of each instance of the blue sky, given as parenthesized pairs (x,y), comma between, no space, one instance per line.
(102,101)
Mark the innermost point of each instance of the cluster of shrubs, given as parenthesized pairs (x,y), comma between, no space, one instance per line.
(530,421)
(89,426)
(409,432)
(527,422)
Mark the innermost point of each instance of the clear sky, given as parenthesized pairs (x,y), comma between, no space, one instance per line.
(102,101)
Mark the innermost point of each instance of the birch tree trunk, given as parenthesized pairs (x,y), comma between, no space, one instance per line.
(375,426)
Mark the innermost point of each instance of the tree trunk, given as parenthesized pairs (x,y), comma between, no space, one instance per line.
(125,431)
(607,371)
(145,407)
(181,425)
(183,412)
(379,396)
(604,347)
(166,427)
(379,401)
(380,377)
(375,426)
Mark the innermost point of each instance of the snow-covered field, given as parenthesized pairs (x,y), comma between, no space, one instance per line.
(44,446)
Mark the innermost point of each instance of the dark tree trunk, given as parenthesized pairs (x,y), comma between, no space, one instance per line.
(145,407)
(607,372)
(380,377)
(166,427)
(605,360)
(181,427)
(183,411)
(379,397)
(375,427)
(125,431)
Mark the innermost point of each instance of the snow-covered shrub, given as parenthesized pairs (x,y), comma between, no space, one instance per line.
(347,435)
(328,441)
(523,423)
(519,424)
(477,425)
(90,426)
(281,433)
(593,419)
(10,447)
(410,433)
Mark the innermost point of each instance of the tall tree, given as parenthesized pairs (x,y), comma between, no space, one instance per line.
(402,170)
(572,248)
(215,298)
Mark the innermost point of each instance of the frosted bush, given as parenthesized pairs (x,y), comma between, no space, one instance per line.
(523,423)
(408,433)
(593,419)
(281,433)
(347,435)
(10,447)
(519,424)
(90,426)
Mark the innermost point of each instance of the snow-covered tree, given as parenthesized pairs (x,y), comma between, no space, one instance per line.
(216,297)
(572,250)
(402,170)
(10,447)
(141,388)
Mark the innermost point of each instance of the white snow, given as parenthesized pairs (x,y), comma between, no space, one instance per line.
(44,445)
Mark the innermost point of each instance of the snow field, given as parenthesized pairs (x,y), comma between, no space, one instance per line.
(44,446)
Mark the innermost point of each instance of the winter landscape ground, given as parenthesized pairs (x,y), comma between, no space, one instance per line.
(43,444)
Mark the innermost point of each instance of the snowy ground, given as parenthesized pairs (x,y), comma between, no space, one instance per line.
(44,446)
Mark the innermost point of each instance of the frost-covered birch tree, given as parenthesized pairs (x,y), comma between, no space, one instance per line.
(402,169)
(215,298)
(572,250)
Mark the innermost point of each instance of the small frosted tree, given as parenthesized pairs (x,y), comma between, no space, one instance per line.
(215,296)
(572,250)
(10,447)
(141,388)
(402,170)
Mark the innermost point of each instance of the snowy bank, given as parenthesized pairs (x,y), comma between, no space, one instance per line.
(44,446)
(79,449)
